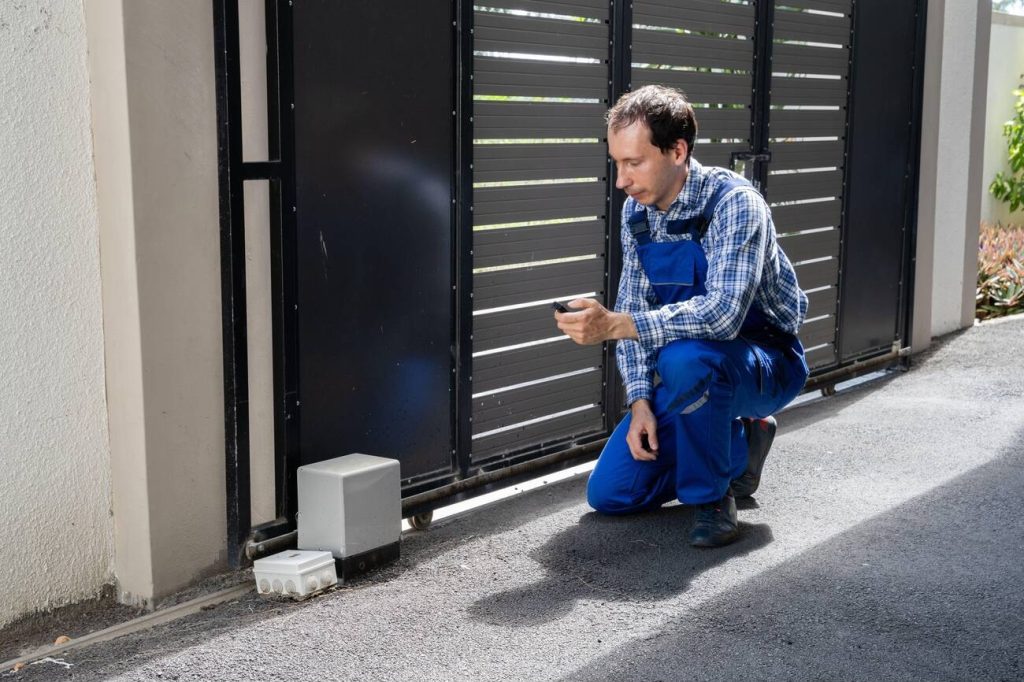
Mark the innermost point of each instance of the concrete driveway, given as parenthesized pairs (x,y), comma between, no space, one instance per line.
(886,542)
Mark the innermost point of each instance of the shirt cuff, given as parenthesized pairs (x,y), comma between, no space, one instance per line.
(641,389)
(650,328)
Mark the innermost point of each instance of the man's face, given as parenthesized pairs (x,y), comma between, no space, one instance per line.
(646,173)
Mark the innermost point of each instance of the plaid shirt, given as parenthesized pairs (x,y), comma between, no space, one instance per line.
(745,265)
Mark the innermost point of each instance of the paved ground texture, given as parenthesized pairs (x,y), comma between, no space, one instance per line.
(887,542)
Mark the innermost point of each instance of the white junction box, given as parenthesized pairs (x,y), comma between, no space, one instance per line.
(351,506)
(295,573)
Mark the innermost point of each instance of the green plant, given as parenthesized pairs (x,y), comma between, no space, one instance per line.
(1000,272)
(1010,187)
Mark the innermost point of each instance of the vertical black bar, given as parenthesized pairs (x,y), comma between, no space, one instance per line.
(281,146)
(620,58)
(764,32)
(232,258)
(844,207)
(462,282)
(909,259)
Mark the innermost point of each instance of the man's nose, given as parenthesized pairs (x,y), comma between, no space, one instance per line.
(621,181)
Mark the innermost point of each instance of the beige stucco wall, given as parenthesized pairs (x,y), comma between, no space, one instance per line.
(1005,74)
(154,114)
(55,516)
(952,146)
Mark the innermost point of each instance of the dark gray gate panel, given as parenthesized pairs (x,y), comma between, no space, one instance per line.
(539,205)
(807,134)
(706,49)
(373,143)
(879,176)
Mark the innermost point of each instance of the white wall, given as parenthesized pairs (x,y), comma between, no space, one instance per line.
(958,172)
(1005,66)
(54,457)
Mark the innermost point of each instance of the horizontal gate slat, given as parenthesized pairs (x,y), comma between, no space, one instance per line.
(821,357)
(806,216)
(569,426)
(508,287)
(818,332)
(821,274)
(842,6)
(662,47)
(492,372)
(809,91)
(816,28)
(822,302)
(796,155)
(711,16)
(523,404)
(528,244)
(516,120)
(807,123)
(810,245)
(716,154)
(592,9)
(498,205)
(800,186)
(497,330)
(533,35)
(498,162)
(789,58)
(702,88)
(719,123)
(522,78)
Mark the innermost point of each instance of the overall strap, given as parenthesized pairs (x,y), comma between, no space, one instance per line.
(726,186)
(639,227)
(697,225)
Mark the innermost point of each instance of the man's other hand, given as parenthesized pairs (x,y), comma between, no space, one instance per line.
(594,323)
(643,426)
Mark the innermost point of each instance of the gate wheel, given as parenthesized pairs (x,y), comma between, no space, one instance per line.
(421,521)
(828,391)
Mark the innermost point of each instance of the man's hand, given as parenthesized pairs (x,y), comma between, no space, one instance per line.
(594,323)
(643,424)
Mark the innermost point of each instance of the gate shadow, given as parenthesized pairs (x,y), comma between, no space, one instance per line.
(644,557)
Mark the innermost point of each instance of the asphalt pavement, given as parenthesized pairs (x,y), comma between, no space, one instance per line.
(886,543)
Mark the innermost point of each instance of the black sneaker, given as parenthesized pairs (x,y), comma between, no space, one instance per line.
(716,523)
(760,434)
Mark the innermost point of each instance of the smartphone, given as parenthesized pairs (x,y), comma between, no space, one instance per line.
(559,307)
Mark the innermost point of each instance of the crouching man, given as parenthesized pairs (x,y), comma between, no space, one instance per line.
(708,302)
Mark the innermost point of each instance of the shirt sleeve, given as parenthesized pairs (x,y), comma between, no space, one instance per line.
(735,243)
(636,362)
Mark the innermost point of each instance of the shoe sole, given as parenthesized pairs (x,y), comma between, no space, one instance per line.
(728,540)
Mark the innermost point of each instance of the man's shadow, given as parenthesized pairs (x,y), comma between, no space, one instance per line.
(644,557)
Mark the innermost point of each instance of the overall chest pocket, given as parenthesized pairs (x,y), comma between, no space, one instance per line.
(673,269)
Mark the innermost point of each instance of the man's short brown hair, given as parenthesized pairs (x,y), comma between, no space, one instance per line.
(664,110)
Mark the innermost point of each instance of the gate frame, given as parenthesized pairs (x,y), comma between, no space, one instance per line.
(465,480)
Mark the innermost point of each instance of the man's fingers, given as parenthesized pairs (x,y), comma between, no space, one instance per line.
(652,438)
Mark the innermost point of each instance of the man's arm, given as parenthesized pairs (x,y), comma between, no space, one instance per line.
(595,323)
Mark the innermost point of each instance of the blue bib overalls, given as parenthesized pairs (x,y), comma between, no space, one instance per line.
(705,387)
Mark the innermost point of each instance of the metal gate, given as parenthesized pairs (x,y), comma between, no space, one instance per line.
(442,175)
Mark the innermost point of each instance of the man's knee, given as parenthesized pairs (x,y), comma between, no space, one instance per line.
(686,362)
(602,496)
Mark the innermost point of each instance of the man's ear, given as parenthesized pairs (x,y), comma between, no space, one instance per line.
(680,152)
